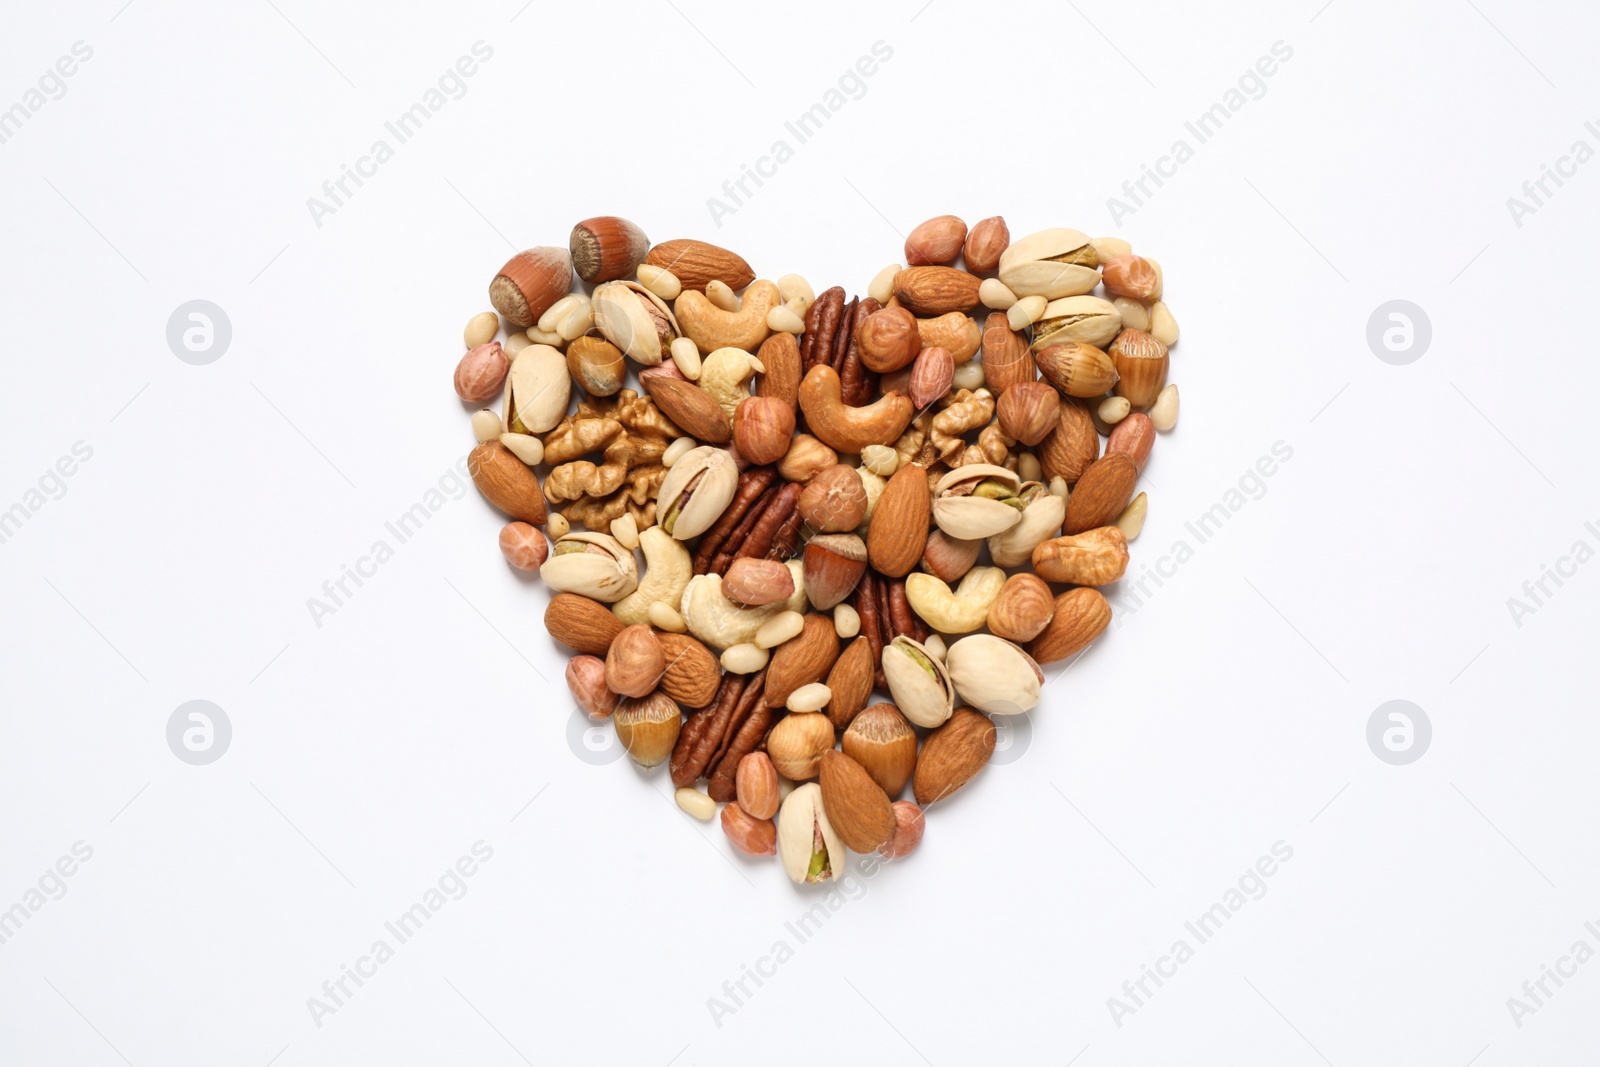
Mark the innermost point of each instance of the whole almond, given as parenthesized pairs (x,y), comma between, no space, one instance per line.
(690,407)
(857,806)
(1134,436)
(1007,359)
(755,784)
(850,682)
(753,583)
(1029,411)
(1080,616)
(780,355)
(936,290)
(834,500)
(1093,557)
(692,673)
(952,754)
(1071,447)
(931,376)
(936,241)
(1023,608)
(899,528)
(507,482)
(581,624)
(1101,493)
(987,239)
(883,742)
(697,264)
(635,662)
(801,660)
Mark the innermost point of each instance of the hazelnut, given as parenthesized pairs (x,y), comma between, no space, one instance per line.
(835,500)
(949,558)
(530,283)
(763,428)
(883,742)
(1141,363)
(481,373)
(889,340)
(797,743)
(523,546)
(635,662)
(648,727)
(1023,609)
(833,566)
(596,365)
(985,242)
(1029,411)
(805,457)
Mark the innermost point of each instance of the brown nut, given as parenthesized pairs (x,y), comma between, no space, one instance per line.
(635,662)
(805,457)
(898,531)
(523,546)
(753,583)
(755,785)
(1007,359)
(908,826)
(1080,616)
(883,742)
(580,623)
(936,290)
(697,264)
(586,678)
(952,754)
(482,372)
(1077,369)
(956,331)
(606,248)
(936,241)
(931,376)
(1022,610)
(850,429)
(948,558)
(985,242)
(529,283)
(748,834)
(1141,363)
(1101,493)
(859,810)
(506,482)
(763,429)
(1069,449)
(1093,557)
(888,340)
(834,500)
(648,727)
(1131,276)
(1029,411)
(833,566)
(797,742)
(1134,436)
(596,365)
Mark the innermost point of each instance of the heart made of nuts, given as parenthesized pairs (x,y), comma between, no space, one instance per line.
(809,499)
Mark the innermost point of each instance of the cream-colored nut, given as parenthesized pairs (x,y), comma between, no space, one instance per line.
(1050,263)
(696,803)
(1028,468)
(551,319)
(718,293)
(881,288)
(696,491)
(515,343)
(968,375)
(485,425)
(935,646)
(780,628)
(721,623)
(1041,520)
(881,460)
(481,329)
(1163,327)
(537,391)
(1059,487)
(793,288)
(660,281)
(782,319)
(847,621)
(541,337)
(1025,312)
(556,525)
(667,570)
(1131,521)
(677,450)
(664,616)
(994,675)
(576,323)
(807,845)
(525,447)
(686,355)
(593,565)
(1087,319)
(994,294)
(626,530)
(1164,412)
(812,697)
(955,612)
(635,320)
(1135,316)
(874,485)
(1157,293)
(725,374)
(1110,247)
(744,658)
(1113,409)
(918,682)
(977,500)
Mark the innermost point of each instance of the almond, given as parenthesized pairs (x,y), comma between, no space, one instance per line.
(1081,615)
(507,482)
(1101,493)
(755,784)
(883,742)
(581,624)
(899,528)
(692,674)
(780,355)
(690,407)
(696,264)
(1094,557)
(936,290)
(1007,360)
(850,682)
(951,755)
(931,376)
(1069,449)
(801,660)
(857,807)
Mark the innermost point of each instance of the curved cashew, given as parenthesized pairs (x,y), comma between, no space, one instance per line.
(668,568)
(847,429)
(710,327)
(954,330)
(724,373)
(721,623)
(959,612)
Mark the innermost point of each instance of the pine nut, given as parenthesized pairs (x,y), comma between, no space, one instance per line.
(626,530)
(1110,247)
(881,288)
(1163,327)
(744,659)
(1113,409)
(515,343)
(664,616)
(525,447)
(556,312)
(794,288)
(1131,521)
(880,460)
(485,425)
(660,281)
(676,450)
(540,337)
(1025,312)
(812,697)
(935,646)
(687,357)
(968,375)
(577,322)
(556,525)
(784,320)
(1058,487)
(1135,316)
(995,295)
(696,803)
(719,294)
(1028,468)
(846,621)
(481,329)
(780,628)
(1164,412)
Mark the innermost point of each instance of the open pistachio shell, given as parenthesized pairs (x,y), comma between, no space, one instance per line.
(635,320)
(696,491)
(971,502)
(1077,318)
(538,391)
(594,565)
(1041,520)
(994,675)
(1050,263)
(918,682)
(807,845)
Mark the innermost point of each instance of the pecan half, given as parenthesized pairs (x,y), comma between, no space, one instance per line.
(822,322)
(751,722)
(752,484)
(858,384)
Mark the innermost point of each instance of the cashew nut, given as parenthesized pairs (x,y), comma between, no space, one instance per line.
(958,612)
(724,373)
(954,330)
(848,429)
(710,327)
(667,570)
(721,623)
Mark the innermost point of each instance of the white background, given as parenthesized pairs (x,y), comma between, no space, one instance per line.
(1226,714)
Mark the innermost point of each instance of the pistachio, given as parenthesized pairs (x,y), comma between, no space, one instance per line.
(994,675)
(810,850)
(977,500)
(594,565)
(540,387)
(696,491)
(1050,263)
(635,320)
(1041,520)
(918,682)
(1088,319)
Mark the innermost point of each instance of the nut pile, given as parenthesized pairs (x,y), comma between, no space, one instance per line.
(810,498)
